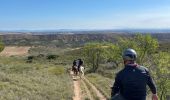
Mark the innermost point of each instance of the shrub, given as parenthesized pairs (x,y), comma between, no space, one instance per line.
(52,57)
(30,58)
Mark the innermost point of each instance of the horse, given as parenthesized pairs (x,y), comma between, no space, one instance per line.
(81,71)
(75,70)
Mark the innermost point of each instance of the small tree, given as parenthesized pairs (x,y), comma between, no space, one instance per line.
(114,54)
(145,45)
(161,73)
(94,54)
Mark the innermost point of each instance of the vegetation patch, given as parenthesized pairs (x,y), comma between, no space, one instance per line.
(22,81)
(102,83)
(58,70)
(84,92)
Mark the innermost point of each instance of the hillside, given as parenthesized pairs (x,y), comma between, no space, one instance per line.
(70,40)
(57,39)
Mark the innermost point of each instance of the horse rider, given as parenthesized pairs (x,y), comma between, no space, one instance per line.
(80,63)
(130,83)
(74,64)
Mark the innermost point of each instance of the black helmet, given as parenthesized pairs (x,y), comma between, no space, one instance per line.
(129,54)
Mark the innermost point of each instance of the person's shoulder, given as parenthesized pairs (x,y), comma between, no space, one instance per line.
(143,68)
(121,72)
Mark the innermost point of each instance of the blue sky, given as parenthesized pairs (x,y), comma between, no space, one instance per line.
(84,14)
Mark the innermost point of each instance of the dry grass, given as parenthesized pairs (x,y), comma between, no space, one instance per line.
(22,81)
(102,83)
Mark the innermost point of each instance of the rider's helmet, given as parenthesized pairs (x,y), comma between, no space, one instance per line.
(129,54)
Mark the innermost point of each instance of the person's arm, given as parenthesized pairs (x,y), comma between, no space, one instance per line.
(152,86)
(116,86)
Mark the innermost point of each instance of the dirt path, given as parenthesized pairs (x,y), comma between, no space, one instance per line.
(84,81)
(76,85)
(77,90)
(87,90)
(98,93)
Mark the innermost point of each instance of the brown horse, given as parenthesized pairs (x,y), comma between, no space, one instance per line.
(75,70)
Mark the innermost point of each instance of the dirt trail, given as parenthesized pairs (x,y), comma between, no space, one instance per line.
(98,93)
(76,84)
(87,90)
(77,90)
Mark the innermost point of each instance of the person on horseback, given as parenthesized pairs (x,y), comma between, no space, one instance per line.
(130,83)
(74,67)
(74,64)
(80,63)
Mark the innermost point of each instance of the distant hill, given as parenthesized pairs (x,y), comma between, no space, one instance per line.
(77,38)
(125,30)
(84,31)
(56,39)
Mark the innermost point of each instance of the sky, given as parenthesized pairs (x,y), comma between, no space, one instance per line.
(84,14)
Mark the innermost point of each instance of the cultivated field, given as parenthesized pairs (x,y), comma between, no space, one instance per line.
(14,50)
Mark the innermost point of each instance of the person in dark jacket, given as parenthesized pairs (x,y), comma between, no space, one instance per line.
(131,81)
(74,63)
(74,67)
(80,63)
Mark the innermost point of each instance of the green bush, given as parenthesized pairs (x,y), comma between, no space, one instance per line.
(52,57)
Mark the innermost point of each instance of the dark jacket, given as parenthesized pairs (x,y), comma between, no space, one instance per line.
(131,83)
(74,63)
(80,63)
